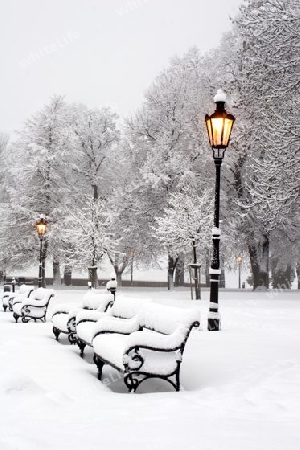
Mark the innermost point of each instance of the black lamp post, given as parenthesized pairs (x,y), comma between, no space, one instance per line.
(219,126)
(41,229)
(111,285)
(239,261)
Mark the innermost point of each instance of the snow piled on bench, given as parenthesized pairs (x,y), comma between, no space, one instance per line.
(117,325)
(126,308)
(90,315)
(42,294)
(166,319)
(154,340)
(95,299)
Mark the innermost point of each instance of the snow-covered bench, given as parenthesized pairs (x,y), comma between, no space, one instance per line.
(19,296)
(64,317)
(35,307)
(123,308)
(5,298)
(154,352)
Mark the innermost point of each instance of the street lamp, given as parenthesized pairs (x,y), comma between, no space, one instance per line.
(239,261)
(41,230)
(219,126)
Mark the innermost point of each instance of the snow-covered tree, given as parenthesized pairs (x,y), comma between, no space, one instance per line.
(185,226)
(264,83)
(88,231)
(37,181)
(168,135)
(97,134)
(95,174)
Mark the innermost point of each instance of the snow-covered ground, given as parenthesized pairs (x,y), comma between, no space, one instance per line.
(241,386)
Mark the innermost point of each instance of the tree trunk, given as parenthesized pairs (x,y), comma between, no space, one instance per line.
(119,261)
(207,266)
(171,268)
(179,273)
(93,276)
(259,261)
(282,274)
(68,275)
(197,274)
(222,278)
(96,193)
(298,274)
(118,277)
(56,273)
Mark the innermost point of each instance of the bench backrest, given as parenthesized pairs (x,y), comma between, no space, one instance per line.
(97,299)
(25,290)
(20,295)
(126,308)
(167,319)
(43,295)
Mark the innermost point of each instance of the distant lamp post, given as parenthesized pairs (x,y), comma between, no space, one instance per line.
(13,284)
(41,228)
(239,261)
(132,255)
(111,285)
(219,126)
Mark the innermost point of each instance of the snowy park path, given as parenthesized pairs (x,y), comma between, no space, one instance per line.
(241,385)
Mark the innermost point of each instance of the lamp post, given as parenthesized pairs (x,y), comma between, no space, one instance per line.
(219,126)
(239,261)
(132,255)
(41,230)
(111,285)
(13,284)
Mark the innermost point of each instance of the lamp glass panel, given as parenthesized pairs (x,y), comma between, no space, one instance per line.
(209,130)
(217,126)
(41,228)
(227,131)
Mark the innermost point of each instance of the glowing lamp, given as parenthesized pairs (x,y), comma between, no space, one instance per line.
(219,125)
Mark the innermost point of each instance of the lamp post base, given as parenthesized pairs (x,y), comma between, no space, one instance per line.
(214,324)
(214,318)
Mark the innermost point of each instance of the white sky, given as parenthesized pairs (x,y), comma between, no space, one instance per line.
(113,52)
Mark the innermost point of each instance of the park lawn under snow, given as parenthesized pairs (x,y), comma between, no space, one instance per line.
(240,386)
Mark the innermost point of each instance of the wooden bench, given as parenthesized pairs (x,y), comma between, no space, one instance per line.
(64,317)
(154,352)
(123,308)
(35,307)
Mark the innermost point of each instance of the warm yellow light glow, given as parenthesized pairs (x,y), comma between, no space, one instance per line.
(209,130)
(239,259)
(227,130)
(219,130)
(219,126)
(41,227)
